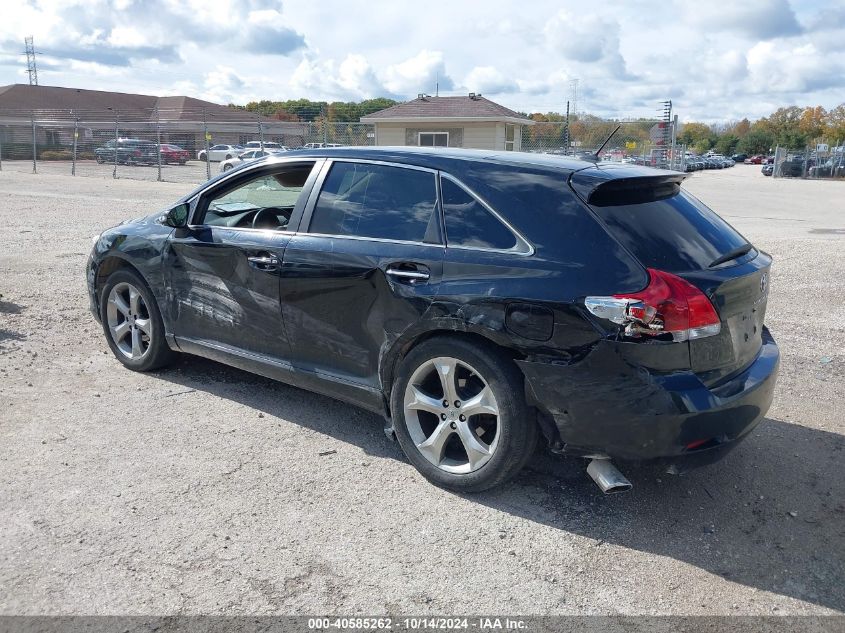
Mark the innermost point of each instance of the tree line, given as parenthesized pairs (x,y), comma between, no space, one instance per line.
(792,127)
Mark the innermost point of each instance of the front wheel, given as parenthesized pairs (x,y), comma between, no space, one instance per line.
(132,322)
(460,415)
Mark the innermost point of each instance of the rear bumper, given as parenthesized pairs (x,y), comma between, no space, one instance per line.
(603,404)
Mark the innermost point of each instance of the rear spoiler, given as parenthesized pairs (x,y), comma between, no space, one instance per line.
(625,185)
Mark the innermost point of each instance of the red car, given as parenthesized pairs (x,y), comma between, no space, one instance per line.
(174,154)
(757,159)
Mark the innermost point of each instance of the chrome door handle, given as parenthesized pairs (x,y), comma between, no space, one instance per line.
(263,262)
(413,275)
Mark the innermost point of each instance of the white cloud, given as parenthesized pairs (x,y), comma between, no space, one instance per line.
(489,80)
(714,60)
(418,74)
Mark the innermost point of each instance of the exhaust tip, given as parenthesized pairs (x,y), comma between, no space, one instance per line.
(607,477)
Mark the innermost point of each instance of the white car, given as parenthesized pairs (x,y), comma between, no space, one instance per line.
(220,152)
(242,158)
(269,146)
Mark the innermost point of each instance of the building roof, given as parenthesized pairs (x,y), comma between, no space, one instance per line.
(57,100)
(424,108)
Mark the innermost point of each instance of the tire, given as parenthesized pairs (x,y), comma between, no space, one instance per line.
(182,162)
(201,156)
(435,437)
(227,167)
(140,347)
(99,160)
(228,157)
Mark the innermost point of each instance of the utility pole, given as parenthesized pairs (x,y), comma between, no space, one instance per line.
(566,131)
(31,69)
(573,95)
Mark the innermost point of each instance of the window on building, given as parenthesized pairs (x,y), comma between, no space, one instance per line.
(365,200)
(469,223)
(434,139)
(510,137)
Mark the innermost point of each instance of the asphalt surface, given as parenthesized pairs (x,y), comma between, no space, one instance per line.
(204,489)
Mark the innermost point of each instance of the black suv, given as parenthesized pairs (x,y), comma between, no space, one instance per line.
(130,151)
(478,300)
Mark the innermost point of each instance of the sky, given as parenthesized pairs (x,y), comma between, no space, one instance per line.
(716,60)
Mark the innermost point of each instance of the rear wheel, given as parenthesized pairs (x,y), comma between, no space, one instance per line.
(201,156)
(132,322)
(460,415)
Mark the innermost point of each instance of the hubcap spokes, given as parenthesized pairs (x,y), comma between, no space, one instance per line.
(452,415)
(129,321)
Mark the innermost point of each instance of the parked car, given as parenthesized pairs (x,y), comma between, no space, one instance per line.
(832,167)
(739,158)
(268,146)
(247,156)
(768,169)
(757,159)
(220,152)
(174,154)
(476,304)
(130,151)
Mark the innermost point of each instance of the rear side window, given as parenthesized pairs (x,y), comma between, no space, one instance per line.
(468,223)
(676,233)
(377,201)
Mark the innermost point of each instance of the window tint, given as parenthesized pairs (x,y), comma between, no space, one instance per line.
(674,234)
(238,207)
(468,223)
(377,201)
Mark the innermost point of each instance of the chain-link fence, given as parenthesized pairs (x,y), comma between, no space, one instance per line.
(642,142)
(190,145)
(169,145)
(823,160)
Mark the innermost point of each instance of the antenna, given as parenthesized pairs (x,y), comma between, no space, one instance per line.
(30,61)
(606,141)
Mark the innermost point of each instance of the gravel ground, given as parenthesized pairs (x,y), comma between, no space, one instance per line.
(202,489)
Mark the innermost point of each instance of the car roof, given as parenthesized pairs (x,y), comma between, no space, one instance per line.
(450,158)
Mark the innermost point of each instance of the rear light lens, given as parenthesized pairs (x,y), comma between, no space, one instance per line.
(668,305)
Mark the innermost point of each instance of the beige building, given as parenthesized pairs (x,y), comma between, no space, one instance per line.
(471,122)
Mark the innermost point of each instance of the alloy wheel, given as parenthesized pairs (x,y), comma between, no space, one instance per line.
(451,415)
(129,321)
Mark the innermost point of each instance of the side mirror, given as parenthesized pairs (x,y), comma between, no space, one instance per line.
(177,217)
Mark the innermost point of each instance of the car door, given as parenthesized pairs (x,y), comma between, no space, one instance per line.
(363,268)
(223,269)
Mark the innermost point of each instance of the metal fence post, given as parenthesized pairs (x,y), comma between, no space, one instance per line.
(34,144)
(116,136)
(158,144)
(75,137)
(1,152)
(205,136)
(260,132)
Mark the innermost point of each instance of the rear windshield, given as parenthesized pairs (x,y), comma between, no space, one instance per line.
(676,233)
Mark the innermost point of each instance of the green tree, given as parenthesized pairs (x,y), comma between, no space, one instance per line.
(757,141)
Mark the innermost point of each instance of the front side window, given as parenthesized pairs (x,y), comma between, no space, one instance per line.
(434,139)
(377,201)
(263,202)
(469,223)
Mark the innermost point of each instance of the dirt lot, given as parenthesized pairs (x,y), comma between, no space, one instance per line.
(201,489)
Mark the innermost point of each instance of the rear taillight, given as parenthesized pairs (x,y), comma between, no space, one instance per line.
(668,305)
